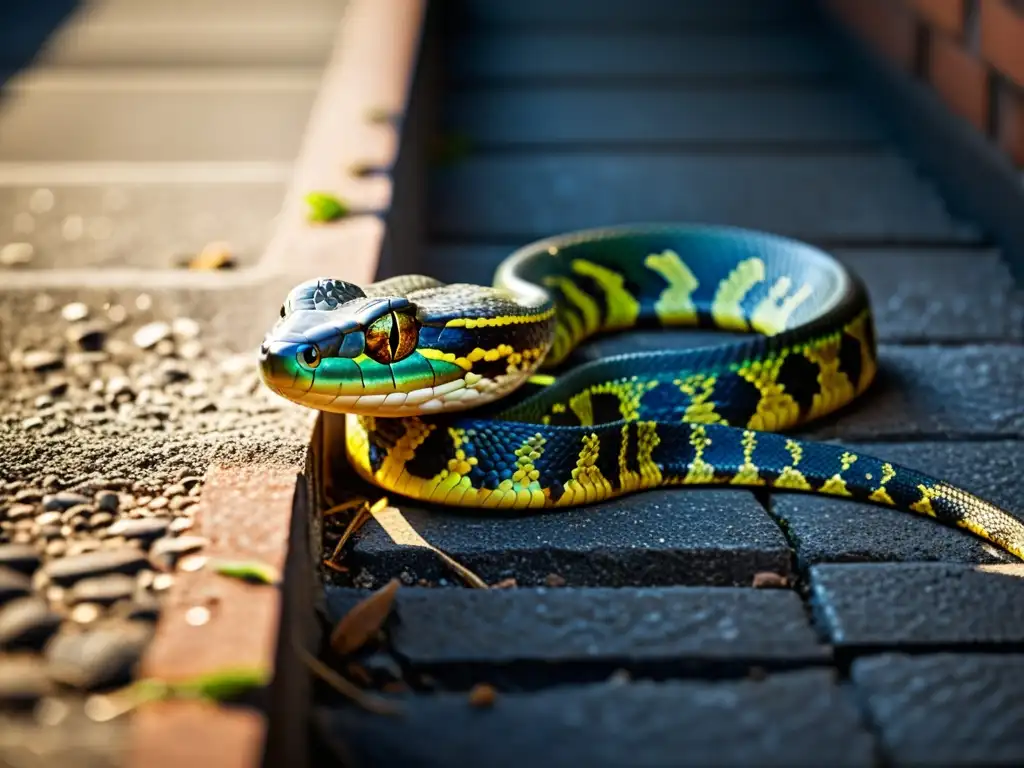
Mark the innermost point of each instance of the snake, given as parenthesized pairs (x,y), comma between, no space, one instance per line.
(464,395)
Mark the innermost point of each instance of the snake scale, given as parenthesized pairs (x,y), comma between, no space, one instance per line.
(446,402)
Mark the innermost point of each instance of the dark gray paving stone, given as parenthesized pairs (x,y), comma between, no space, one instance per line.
(940,295)
(535,637)
(791,719)
(145,225)
(637,13)
(833,530)
(943,392)
(928,295)
(505,118)
(511,56)
(917,606)
(947,709)
(653,538)
(862,197)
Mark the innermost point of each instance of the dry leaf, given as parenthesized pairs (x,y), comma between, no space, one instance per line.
(364,620)
(769,580)
(213,256)
(483,695)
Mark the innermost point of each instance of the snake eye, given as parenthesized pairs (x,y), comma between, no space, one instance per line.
(309,356)
(391,337)
(282,311)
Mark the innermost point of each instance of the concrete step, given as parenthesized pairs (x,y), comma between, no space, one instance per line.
(171,115)
(151,225)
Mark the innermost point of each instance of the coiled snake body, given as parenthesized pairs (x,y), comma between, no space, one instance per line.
(445,404)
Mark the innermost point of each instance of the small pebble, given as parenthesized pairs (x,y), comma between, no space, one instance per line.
(103,590)
(40,360)
(23,558)
(163,581)
(24,679)
(85,613)
(144,607)
(180,524)
(74,311)
(107,501)
(27,622)
(144,528)
(148,336)
(72,568)
(98,658)
(185,328)
(63,500)
(13,585)
(100,519)
(89,337)
(165,552)
(19,511)
(16,254)
(197,616)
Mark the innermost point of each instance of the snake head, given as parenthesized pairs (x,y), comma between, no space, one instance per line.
(336,349)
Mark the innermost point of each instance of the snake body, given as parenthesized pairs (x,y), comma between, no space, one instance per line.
(445,403)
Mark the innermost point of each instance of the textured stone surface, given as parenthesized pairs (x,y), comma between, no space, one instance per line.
(833,530)
(946,709)
(244,117)
(654,538)
(543,636)
(851,197)
(917,295)
(936,392)
(793,719)
(922,605)
(656,115)
(528,56)
(146,225)
(933,295)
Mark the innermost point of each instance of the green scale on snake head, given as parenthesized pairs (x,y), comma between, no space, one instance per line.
(462,394)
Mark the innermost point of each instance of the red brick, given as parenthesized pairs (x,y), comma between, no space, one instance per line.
(944,14)
(886,24)
(960,79)
(1011,123)
(1002,38)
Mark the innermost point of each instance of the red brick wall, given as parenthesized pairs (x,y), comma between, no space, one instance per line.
(970,51)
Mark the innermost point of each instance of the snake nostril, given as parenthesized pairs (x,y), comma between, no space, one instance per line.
(264,347)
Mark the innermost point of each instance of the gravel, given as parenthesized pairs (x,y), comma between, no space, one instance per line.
(112,406)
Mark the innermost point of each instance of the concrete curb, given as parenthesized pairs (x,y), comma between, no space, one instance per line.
(248,512)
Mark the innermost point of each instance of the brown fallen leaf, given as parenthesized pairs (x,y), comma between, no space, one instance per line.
(483,695)
(364,620)
(554,580)
(508,583)
(213,256)
(769,580)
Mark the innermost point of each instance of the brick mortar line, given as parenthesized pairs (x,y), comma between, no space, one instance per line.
(370,68)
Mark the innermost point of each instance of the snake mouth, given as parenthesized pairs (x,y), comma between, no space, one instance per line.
(412,386)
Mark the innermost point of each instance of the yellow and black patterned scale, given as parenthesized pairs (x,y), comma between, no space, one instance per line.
(445,404)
